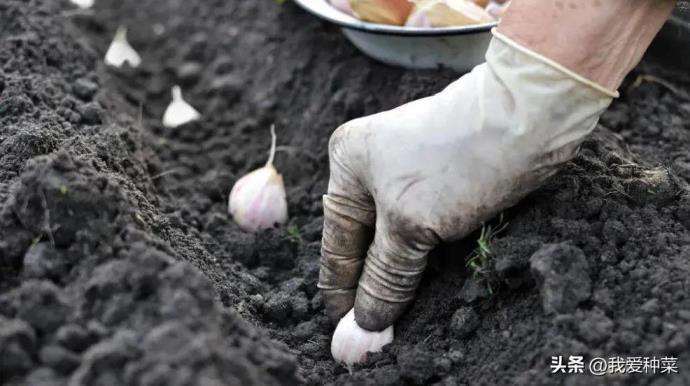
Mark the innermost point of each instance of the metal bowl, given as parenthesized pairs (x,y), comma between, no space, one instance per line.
(459,48)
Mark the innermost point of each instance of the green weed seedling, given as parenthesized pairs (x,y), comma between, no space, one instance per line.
(478,261)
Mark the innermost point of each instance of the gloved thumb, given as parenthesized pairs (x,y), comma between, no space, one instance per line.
(392,271)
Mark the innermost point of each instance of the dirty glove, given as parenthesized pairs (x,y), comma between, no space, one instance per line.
(434,169)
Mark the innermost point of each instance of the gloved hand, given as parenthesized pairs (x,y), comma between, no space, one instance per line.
(434,169)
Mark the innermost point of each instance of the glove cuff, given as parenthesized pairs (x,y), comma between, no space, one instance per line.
(505,39)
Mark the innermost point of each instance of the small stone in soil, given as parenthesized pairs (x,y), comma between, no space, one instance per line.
(473,290)
(43,261)
(464,321)
(85,89)
(561,271)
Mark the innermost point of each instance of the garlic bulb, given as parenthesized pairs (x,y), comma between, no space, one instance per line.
(120,51)
(257,200)
(447,13)
(179,111)
(382,11)
(351,343)
(83,4)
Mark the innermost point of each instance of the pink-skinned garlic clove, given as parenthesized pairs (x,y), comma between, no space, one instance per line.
(447,13)
(351,343)
(342,6)
(418,19)
(496,9)
(257,200)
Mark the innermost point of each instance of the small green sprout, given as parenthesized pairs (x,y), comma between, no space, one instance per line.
(478,260)
(294,233)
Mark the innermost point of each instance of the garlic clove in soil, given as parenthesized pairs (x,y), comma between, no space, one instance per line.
(351,343)
(447,13)
(257,200)
(83,4)
(179,111)
(120,51)
(382,11)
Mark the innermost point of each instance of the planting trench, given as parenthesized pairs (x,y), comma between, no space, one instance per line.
(119,264)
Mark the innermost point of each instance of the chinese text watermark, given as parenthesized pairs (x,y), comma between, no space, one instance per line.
(575,364)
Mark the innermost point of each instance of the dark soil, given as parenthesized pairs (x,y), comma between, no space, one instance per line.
(120,266)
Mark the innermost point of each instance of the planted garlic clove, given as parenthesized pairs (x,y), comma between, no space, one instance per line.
(342,6)
(179,111)
(447,13)
(120,51)
(382,11)
(258,201)
(351,343)
(83,4)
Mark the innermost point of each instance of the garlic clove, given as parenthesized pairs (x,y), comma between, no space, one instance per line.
(120,51)
(351,343)
(419,20)
(496,9)
(448,13)
(258,201)
(179,111)
(342,6)
(83,4)
(382,11)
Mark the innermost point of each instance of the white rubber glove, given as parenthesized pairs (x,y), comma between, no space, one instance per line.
(434,169)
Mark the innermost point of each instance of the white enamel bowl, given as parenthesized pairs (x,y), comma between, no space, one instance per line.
(459,48)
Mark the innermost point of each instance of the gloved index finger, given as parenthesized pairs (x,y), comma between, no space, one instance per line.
(347,234)
(349,216)
(393,269)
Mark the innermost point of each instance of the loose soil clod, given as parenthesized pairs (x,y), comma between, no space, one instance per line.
(119,263)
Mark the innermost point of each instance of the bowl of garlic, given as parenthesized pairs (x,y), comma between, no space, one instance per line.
(416,34)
